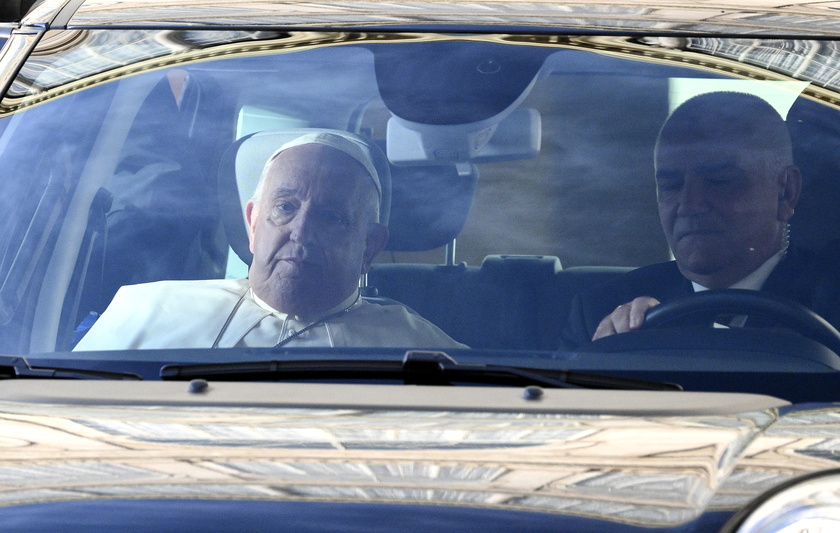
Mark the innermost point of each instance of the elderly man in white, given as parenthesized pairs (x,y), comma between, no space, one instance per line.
(314,230)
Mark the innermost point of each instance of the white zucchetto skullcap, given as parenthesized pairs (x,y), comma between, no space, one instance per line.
(350,144)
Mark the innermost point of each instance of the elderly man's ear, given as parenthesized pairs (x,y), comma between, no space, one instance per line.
(790,188)
(251,211)
(377,238)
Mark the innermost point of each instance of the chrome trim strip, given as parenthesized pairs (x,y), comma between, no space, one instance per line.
(44,14)
(14,53)
(62,18)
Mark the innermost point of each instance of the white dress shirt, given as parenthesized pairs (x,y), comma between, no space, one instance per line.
(753,281)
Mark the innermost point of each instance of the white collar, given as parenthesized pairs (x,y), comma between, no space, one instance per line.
(755,280)
(343,305)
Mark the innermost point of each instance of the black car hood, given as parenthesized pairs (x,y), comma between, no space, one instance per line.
(654,468)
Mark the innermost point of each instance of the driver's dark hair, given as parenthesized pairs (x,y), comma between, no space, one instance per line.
(728,114)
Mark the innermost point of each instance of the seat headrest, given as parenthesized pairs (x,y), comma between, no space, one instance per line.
(430,206)
(815,136)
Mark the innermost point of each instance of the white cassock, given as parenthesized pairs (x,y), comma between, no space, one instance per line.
(225,313)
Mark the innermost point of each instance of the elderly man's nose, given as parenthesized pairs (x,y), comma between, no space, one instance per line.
(692,197)
(301,227)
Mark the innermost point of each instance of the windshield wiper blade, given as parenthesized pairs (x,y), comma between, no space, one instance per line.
(18,367)
(418,367)
(74,373)
(430,367)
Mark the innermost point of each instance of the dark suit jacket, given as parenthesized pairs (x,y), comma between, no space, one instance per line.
(802,276)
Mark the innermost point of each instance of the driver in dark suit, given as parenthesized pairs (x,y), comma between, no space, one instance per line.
(726,188)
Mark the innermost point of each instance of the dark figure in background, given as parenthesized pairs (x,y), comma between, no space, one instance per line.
(726,188)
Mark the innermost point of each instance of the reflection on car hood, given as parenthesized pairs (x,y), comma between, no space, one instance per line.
(645,470)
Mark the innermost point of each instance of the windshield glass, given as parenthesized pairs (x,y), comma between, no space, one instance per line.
(180,190)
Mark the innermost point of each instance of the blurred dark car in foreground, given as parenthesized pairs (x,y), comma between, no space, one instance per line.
(522,131)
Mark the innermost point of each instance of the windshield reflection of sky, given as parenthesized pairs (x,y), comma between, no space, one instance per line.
(65,57)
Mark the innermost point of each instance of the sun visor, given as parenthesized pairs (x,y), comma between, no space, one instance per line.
(508,136)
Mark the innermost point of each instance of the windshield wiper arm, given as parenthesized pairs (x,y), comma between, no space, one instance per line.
(18,367)
(418,367)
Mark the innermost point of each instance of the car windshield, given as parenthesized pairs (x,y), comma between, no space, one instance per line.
(513,173)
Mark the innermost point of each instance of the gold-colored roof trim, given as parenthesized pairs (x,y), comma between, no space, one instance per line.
(610,45)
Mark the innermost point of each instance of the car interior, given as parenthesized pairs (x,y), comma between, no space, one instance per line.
(154,178)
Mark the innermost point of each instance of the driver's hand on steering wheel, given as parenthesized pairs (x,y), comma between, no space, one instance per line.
(625,317)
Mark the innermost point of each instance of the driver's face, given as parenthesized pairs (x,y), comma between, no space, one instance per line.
(720,206)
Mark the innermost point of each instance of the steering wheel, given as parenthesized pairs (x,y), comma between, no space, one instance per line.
(703,307)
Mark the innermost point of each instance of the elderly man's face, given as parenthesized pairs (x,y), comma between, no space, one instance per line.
(313,232)
(721,206)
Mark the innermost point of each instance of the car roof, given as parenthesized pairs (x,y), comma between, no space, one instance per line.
(759,17)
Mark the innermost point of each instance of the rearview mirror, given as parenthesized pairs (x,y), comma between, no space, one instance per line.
(517,136)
